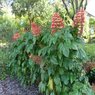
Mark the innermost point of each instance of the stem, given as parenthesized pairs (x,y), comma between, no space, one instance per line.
(72,2)
(76,2)
(80,4)
(28,12)
(85,5)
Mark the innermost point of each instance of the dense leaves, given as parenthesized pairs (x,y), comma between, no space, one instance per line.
(62,64)
(53,61)
(21,64)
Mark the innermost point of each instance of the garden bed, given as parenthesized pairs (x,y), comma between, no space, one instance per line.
(12,87)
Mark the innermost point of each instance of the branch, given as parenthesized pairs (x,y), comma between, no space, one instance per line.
(72,2)
(85,5)
(76,2)
(80,4)
(67,9)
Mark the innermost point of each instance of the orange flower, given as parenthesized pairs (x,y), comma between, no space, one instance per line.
(57,22)
(16,36)
(36,29)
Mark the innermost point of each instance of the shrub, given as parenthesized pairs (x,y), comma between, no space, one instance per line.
(21,64)
(7,27)
(59,70)
(62,72)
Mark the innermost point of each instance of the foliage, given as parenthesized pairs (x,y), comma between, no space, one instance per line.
(92,21)
(25,69)
(62,57)
(72,6)
(21,8)
(7,27)
(52,60)
(92,29)
(91,76)
(90,50)
(36,10)
(60,70)
(4,60)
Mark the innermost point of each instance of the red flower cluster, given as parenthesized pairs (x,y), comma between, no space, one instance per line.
(36,29)
(16,36)
(57,22)
(35,58)
(79,20)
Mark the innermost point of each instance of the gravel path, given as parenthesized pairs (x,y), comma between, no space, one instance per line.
(12,87)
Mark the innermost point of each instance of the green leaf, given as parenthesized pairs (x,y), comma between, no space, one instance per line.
(28,48)
(68,35)
(81,54)
(57,80)
(47,92)
(52,93)
(60,47)
(58,89)
(74,46)
(34,40)
(42,86)
(72,78)
(61,71)
(53,60)
(65,79)
(43,51)
(65,50)
(31,63)
(50,71)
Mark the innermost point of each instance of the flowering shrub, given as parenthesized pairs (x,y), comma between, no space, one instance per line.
(23,64)
(53,61)
(61,70)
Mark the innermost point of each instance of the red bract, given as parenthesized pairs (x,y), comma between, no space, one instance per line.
(16,36)
(57,22)
(79,20)
(36,29)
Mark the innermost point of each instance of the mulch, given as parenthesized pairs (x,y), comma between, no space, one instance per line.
(11,86)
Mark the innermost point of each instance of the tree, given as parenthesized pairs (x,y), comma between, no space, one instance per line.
(75,5)
(31,8)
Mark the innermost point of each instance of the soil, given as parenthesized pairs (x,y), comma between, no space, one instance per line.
(12,87)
